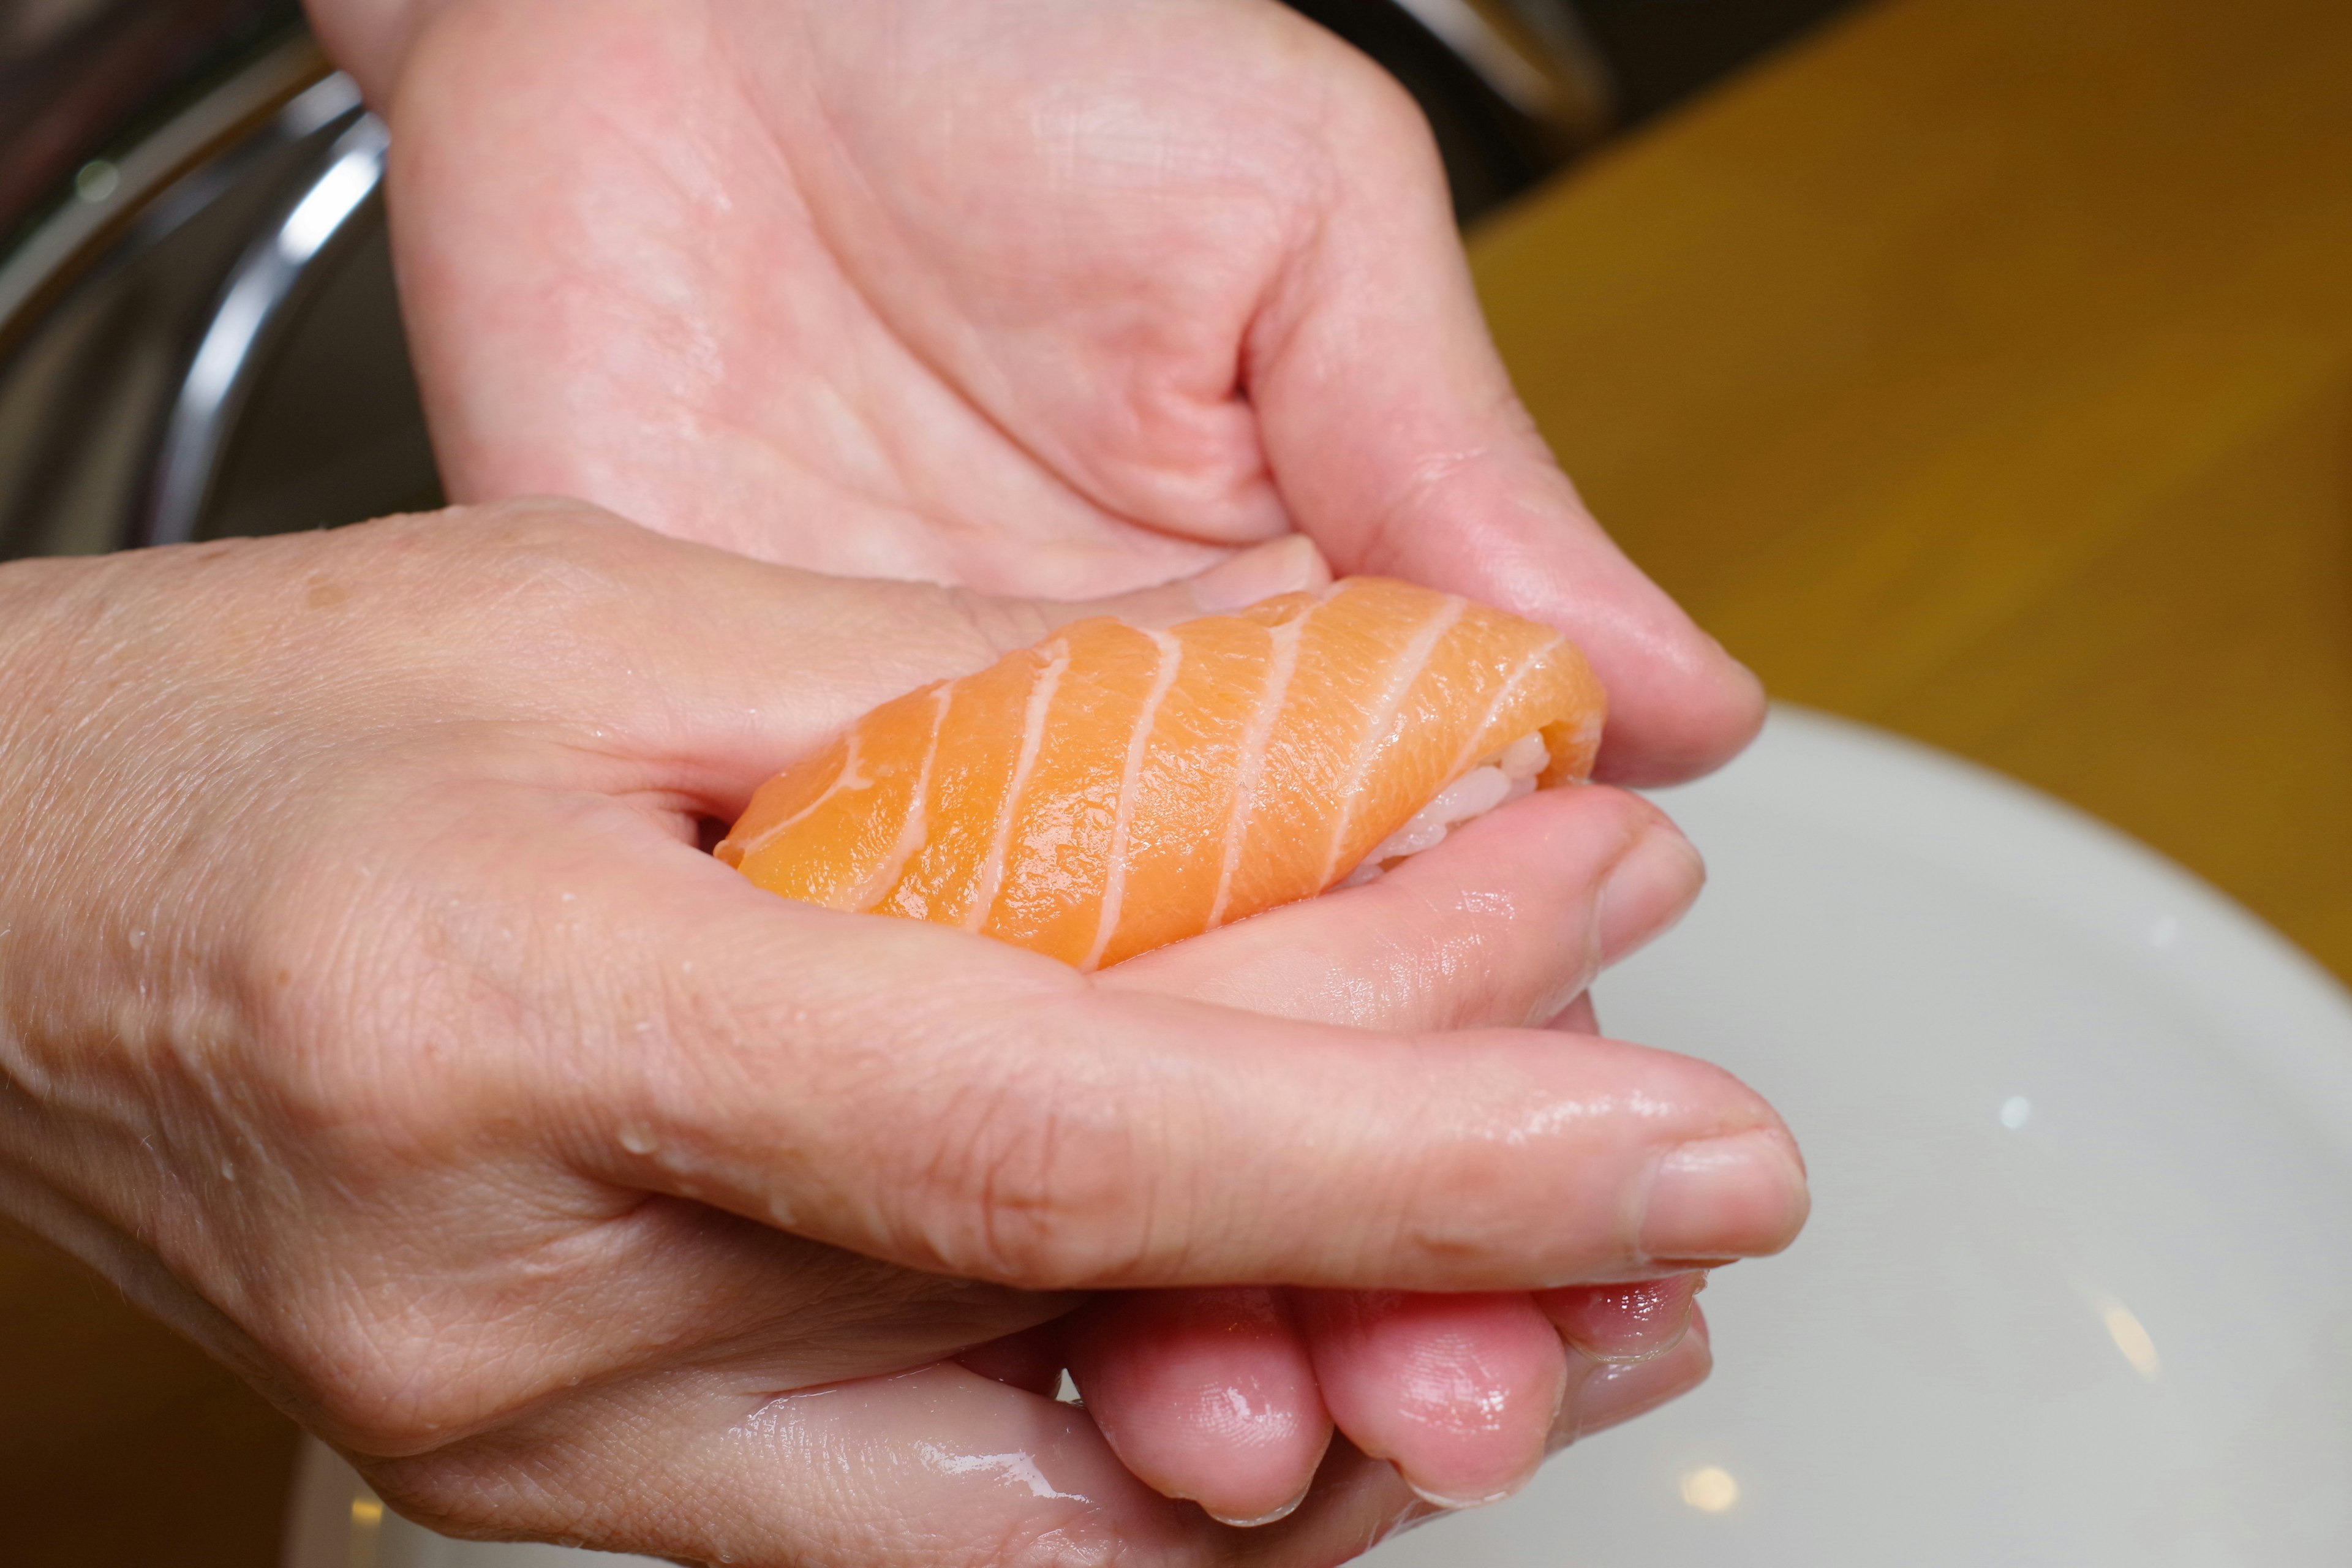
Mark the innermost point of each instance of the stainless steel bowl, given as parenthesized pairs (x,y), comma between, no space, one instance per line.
(204,340)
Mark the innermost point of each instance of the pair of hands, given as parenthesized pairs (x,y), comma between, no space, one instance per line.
(372,1013)
(551,1161)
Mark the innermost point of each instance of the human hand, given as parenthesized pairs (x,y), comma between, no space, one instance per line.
(368,1011)
(1034,295)
(713,239)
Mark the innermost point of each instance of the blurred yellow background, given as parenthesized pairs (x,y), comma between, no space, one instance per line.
(1983,369)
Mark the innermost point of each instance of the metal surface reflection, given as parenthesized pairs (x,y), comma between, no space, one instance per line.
(261,300)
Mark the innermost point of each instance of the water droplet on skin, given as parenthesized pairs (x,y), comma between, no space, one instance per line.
(137,940)
(637,1141)
(228,1170)
(781,1211)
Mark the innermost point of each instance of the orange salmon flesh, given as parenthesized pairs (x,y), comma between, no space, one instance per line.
(1112,789)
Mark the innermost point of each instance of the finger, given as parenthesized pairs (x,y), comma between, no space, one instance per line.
(1506,923)
(875,1471)
(704,664)
(1285,565)
(1637,1322)
(1607,1394)
(925,1096)
(1459,1392)
(1205,1394)
(1578,1017)
(1397,442)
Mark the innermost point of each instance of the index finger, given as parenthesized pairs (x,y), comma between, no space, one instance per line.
(932,1097)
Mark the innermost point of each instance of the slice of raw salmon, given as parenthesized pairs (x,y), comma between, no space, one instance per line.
(1115,789)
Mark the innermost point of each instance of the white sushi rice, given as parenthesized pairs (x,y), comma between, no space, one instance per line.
(1497,781)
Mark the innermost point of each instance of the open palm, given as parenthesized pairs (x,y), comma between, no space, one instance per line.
(1041,296)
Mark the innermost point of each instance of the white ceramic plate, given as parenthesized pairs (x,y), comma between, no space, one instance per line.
(2077,1289)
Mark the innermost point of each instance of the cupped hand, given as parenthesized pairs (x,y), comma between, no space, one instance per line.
(369,1011)
(1041,296)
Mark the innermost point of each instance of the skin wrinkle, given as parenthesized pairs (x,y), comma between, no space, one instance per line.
(1428,476)
(994,394)
(1050,1201)
(880,435)
(940,373)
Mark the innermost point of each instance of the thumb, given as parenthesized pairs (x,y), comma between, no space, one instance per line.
(718,667)
(1399,446)
(1283,565)
(1243,578)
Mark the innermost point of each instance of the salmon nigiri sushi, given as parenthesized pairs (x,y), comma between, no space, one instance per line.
(1114,789)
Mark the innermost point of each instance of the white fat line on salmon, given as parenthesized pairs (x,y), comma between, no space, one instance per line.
(1474,744)
(1411,664)
(1032,740)
(911,828)
(846,779)
(1171,659)
(1279,670)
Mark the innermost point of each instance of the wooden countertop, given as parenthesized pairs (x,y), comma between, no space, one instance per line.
(1981,369)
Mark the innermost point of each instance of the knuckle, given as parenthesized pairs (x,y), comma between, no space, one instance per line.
(1044,1192)
(380,1390)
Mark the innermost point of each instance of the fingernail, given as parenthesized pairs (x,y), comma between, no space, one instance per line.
(1624,1323)
(1618,1392)
(1456,1504)
(1647,890)
(1285,1511)
(1741,1196)
(1283,565)
(1411,1517)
